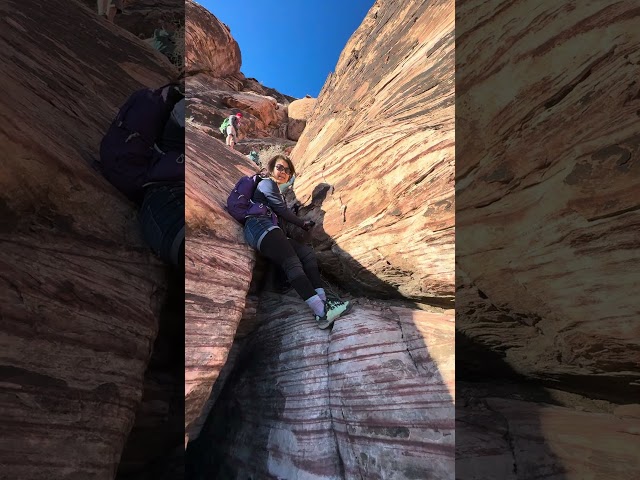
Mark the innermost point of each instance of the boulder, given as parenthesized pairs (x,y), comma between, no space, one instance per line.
(299,112)
(210,48)
(210,100)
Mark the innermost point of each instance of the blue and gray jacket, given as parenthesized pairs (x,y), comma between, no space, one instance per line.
(268,193)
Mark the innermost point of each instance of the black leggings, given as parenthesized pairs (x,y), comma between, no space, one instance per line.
(298,262)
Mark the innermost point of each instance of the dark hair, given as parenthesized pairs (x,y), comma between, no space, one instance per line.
(272,163)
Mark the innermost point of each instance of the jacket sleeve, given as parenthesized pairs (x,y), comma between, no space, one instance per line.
(276,202)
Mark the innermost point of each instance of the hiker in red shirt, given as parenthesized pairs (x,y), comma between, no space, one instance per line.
(232,130)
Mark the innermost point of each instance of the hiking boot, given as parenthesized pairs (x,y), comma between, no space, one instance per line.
(333,309)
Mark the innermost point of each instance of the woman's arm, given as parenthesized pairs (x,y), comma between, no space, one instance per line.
(276,202)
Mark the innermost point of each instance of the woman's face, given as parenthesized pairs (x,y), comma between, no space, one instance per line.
(281,171)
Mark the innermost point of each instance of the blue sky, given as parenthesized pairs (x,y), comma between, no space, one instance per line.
(290,45)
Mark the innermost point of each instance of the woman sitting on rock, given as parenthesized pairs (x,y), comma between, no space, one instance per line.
(298,261)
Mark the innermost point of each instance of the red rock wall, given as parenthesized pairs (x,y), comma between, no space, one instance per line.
(382,137)
(218,265)
(209,46)
(554,177)
(373,396)
(510,438)
(546,247)
(80,290)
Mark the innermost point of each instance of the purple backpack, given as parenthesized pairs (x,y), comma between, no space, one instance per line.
(128,158)
(239,203)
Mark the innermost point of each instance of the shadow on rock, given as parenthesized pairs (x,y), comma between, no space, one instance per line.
(499,419)
(155,446)
(294,400)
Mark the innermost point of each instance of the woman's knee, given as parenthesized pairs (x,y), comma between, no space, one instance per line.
(292,268)
(306,255)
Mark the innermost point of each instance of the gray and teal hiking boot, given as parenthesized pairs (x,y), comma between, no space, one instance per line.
(334,308)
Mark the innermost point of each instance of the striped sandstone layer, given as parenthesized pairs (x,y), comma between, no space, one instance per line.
(547,224)
(555,178)
(218,265)
(380,143)
(80,290)
(371,397)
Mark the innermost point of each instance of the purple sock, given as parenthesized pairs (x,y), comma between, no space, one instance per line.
(321,294)
(316,304)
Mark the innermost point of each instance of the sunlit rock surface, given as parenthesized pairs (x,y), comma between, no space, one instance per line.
(376,158)
(547,220)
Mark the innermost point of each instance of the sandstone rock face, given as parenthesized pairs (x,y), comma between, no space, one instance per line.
(211,99)
(142,17)
(374,397)
(299,112)
(306,403)
(546,223)
(80,289)
(218,265)
(559,191)
(210,48)
(379,149)
(515,439)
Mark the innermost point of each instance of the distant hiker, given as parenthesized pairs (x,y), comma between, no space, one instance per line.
(254,157)
(265,233)
(142,155)
(232,125)
(109,8)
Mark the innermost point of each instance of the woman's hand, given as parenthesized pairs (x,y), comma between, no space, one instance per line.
(308,224)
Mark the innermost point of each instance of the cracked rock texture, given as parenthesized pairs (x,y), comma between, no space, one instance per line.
(371,399)
(376,158)
(547,218)
(80,291)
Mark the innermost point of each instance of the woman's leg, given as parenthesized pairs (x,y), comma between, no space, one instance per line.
(277,248)
(334,307)
(309,264)
(161,217)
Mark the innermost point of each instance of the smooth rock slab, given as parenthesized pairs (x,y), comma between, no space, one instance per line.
(218,265)
(372,398)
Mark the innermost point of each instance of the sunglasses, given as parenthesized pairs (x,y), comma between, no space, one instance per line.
(286,170)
